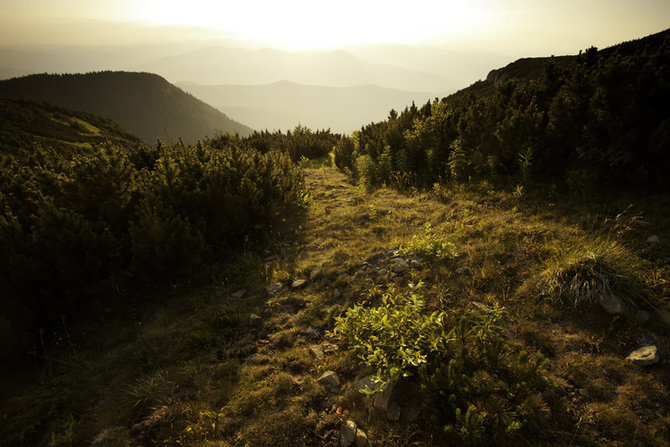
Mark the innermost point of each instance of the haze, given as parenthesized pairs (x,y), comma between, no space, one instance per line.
(407,50)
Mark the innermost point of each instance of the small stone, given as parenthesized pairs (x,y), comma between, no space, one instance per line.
(462,270)
(611,304)
(330,380)
(314,273)
(312,332)
(361,438)
(416,264)
(645,356)
(255,359)
(336,293)
(641,317)
(255,321)
(400,266)
(239,294)
(274,288)
(270,258)
(347,433)
(383,272)
(317,352)
(381,400)
(393,413)
(652,239)
(298,283)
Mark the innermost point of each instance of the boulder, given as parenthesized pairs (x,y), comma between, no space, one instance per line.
(645,356)
(361,438)
(330,381)
(347,433)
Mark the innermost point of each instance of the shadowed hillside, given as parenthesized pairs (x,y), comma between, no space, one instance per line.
(145,104)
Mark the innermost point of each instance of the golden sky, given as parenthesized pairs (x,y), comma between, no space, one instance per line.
(525,26)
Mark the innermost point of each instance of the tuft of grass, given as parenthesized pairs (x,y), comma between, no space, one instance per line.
(150,392)
(589,279)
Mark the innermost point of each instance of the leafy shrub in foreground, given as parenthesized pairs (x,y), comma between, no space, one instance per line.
(474,385)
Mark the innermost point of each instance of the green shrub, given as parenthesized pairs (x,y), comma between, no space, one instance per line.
(475,386)
(430,245)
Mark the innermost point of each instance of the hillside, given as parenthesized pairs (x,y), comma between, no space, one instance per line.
(145,104)
(283,105)
(24,124)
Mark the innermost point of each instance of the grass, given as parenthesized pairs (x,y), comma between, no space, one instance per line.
(182,364)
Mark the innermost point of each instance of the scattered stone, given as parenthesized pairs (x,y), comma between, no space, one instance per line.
(330,380)
(646,355)
(611,304)
(255,321)
(263,341)
(641,317)
(361,438)
(416,264)
(270,258)
(239,294)
(393,413)
(312,332)
(314,273)
(663,316)
(381,400)
(348,433)
(462,270)
(274,288)
(652,239)
(256,359)
(298,283)
(383,272)
(317,352)
(400,266)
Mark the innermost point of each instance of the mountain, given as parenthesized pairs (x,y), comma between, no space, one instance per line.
(24,124)
(283,105)
(144,103)
(225,65)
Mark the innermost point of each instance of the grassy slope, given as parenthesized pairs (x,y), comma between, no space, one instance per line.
(180,371)
(144,103)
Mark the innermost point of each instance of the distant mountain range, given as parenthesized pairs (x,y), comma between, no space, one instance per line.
(283,105)
(145,104)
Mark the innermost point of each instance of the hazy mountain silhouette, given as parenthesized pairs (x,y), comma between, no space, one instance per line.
(283,105)
(223,65)
(145,104)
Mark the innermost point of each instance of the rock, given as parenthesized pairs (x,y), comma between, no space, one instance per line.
(383,272)
(330,380)
(361,438)
(412,410)
(274,288)
(312,332)
(646,355)
(316,352)
(393,413)
(314,273)
(239,294)
(112,437)
(416,264)
(336,293)
(366,383)
(347,433)
(400,266)
(663,316)
(298,283)
(611,304)
(255,321)
(652,239)
(462,270)
(381,400)
(641,317)
(256,359)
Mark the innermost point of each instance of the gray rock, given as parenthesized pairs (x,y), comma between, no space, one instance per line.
(239,294)
(400,266)
(416,264)
(347,433)
(641,317)
(298,283)
(361,438)
(646,355)
(652,239)
(256,359)
(330,380)
(393,413)
(382,399)
(663,316)
(316,352)
(366,383)
(314,273)
(612,304)
(274,288)
(255,321)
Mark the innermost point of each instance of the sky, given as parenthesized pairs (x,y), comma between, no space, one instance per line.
(524,27)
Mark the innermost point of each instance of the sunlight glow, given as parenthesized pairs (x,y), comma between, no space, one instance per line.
(304,24)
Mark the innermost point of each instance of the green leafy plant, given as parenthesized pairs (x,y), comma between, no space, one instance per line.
(430,245)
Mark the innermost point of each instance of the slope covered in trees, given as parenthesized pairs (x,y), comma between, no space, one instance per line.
(602,117)
(145,104)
